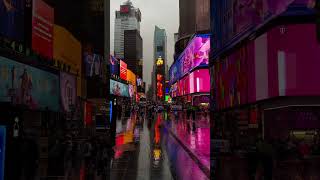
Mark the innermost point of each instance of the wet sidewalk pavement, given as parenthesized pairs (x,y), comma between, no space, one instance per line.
(146,151)
(194,136)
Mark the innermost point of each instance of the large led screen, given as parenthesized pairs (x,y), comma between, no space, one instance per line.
(200,81)
(123,70)
(67,48)
(119,89)
(245,16)
(196,54)
(42,28)
(270,66)
(93,64)
(25,85)
(114,66)
(68,91)
(12,19)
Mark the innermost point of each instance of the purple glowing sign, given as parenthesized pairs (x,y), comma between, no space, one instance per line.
(196,54)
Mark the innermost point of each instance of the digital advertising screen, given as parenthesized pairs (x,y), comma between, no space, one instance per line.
(25,85)
(67,48)
(114,66)
(245,16)
(119,89)
(42,28)
(123,70)
(131,77)
(68,91)
(131,90)
(2,150)
(12,19)
(175,71)
(196,54)
(93,64)
(160,86)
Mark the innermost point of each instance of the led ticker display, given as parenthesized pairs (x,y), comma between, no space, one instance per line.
(123,70)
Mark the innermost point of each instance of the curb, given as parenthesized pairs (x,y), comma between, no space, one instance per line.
(203,168)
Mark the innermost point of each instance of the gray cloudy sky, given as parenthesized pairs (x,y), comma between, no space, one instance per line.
(163,13)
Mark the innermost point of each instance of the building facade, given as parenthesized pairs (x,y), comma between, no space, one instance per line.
(133,50)
(127,18)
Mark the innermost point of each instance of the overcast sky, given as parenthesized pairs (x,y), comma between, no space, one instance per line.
(164,14)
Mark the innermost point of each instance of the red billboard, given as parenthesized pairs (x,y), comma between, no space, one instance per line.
(123,70)
(124,9)
(42,28)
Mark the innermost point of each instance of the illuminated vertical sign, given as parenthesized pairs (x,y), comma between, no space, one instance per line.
(123,70)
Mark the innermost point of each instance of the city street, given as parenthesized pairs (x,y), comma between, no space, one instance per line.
(144,151)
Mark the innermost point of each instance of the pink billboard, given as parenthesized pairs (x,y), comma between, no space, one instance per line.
(272,65)
(196,54)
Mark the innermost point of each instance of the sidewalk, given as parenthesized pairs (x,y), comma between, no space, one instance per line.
(196,143)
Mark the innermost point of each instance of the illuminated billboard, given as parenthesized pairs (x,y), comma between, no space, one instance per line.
(42,28)
(114,66)
(21,84)
(246,16)
(195,55)
(270,66)
(160,86)
(131,77)
(93,64)
(123,70)
(67,48)
(119,89)
(68,90)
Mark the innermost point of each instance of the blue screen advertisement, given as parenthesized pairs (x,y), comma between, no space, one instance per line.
(2,150)
(21,84)
(119,89)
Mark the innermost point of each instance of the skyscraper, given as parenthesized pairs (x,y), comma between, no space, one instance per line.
(160,62)
(133,51)
(127,18)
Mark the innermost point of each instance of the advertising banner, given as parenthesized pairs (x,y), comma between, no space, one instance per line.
(123,70)
(131,77)
(245,16)
(119,89)
(93,64)
(2,150)
(196,54)
(131,90)
(88,114)
(68,92)
(67,49)
(42,28)
(26,85)
(175,71)
(114,66)
(12,21)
